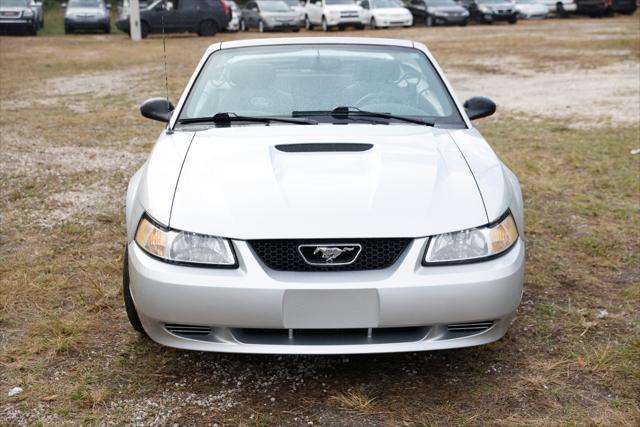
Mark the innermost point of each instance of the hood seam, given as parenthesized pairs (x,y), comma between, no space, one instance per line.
(484,205)
(175,189)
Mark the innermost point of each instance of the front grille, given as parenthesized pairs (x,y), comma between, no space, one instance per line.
(283,255)
(465,328)
(330,336)
(349,14)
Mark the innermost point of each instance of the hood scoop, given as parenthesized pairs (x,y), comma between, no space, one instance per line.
(323,147)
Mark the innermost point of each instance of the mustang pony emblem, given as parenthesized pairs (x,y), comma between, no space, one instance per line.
(331,253)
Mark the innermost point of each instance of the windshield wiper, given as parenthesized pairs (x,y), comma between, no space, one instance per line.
(347,112)
(227,118)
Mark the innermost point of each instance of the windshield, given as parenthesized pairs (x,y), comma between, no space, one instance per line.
(292,3)
(273,6)
(333,2)
(85,3)
(441,3)
(278,80)
(13,3)
(381,4)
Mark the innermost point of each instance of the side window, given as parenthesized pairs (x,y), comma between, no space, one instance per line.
(365,4)
(187,5)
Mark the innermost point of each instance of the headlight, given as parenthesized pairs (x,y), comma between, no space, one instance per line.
(184,247)
(472,245)
(27,13)
(484,9)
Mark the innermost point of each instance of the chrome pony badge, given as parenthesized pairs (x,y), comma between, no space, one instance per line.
(330,254)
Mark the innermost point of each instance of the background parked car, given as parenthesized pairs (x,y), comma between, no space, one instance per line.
(123,8)
(595,8)
(37,7)
(87,15)
(269,15)
(18,16)
(204,17)
(334,13)
(234,22)
(490,11)
(433,12)
(386,13)
(531,9)
(298,7)
(626,7)
(561,8)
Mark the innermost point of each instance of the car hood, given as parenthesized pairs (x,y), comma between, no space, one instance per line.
(84,11)
(397,11)
(454,8)
(13,8)
(412,182)
(343,7)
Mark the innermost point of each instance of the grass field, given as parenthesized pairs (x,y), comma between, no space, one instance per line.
(71,136)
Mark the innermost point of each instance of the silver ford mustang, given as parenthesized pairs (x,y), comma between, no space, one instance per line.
(322,195)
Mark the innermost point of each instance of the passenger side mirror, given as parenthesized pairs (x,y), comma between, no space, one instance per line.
(63,5)
(159,109)
(479,107)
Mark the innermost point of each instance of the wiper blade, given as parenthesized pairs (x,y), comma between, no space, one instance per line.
(227,118)
(346,112)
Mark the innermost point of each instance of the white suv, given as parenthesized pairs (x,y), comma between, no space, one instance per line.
(334,13)
(561,8)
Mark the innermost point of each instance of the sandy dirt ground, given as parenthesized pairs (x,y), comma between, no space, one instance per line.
(568,93)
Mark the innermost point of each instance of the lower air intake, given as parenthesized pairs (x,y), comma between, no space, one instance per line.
(466,328)
(187,330)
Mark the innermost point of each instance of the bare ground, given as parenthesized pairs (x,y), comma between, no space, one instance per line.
(569,114)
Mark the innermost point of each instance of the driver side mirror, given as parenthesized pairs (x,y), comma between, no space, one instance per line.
(63,5)
(159,109)
(479,107)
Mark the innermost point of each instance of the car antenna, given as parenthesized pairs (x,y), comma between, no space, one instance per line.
(166,75)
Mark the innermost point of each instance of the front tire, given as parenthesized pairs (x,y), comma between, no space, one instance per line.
(207,28)
(261,28)
(372,24)
(144,30)
(68,29)
(307,24)
(325,26)
(242,26)
(429,22)
(129,306)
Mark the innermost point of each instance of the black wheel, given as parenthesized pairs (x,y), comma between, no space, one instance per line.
(296,30)
(463,23)
(33,31)
(242,26)
(261,27)
(513,21)
(307,23)
(325,26)
(429,22)
(560,11)
(132,314)
(68,29)
(107,29)
(207,28)
(372,24)
(144,30)
(360,27)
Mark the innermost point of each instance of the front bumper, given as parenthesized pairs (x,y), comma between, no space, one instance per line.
(253,309)
(451,19)
(498,17)
(334,21)
(21,23)
(87,24)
